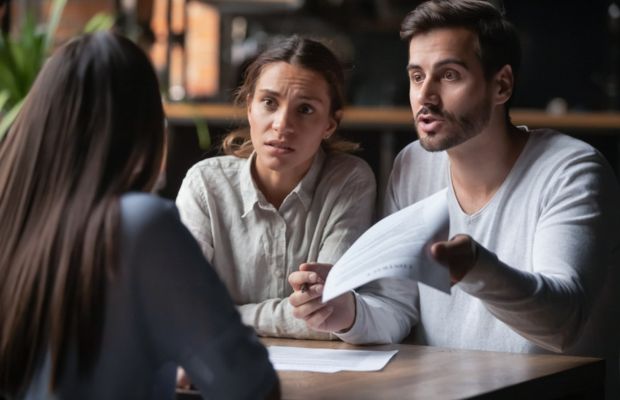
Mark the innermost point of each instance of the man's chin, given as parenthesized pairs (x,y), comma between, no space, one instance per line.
(433,144)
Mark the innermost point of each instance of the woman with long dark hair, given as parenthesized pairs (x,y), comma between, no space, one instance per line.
(97,276)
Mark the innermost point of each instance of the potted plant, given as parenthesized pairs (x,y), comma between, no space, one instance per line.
(22,57)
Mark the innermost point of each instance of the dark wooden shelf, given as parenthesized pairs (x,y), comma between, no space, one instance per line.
(400,118)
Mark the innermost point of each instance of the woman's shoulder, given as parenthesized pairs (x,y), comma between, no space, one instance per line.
(218,163)
(150,228)
(143,212)
(348,164)
(215,172)
(348,173)
(142,205)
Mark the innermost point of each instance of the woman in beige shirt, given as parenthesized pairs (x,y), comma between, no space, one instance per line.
(285,194)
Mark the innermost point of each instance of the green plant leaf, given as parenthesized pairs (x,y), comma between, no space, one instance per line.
(4,98)
(27,58)
(8,80)
(99,22)
(20,60)
(202,131)
(21,57)
(56,12)
(8,118)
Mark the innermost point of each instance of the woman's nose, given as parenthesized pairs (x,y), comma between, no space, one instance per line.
(282,121)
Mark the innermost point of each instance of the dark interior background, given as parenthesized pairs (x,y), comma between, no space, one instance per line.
(570,60)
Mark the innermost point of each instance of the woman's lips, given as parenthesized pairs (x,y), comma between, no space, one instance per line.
(278,147)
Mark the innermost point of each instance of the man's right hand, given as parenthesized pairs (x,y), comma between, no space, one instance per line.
(458,254)
(337,315)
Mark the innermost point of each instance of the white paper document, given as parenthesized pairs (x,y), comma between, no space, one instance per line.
(398,246)
(286,358)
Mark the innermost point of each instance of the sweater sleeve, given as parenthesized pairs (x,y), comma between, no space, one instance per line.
(386,309)
(572,247)
(274,318)
(187,314)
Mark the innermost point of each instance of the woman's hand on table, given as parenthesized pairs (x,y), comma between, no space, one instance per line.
(337,315)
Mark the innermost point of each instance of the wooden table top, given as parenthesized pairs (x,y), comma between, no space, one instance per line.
(423,372)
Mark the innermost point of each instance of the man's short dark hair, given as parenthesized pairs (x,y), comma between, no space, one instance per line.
(498,39)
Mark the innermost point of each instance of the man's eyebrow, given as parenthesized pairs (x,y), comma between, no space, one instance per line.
(441,64)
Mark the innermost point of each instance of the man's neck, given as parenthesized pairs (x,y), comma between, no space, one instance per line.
(479,166)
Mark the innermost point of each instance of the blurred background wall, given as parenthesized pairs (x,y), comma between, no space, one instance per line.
(571,47)
(571,58)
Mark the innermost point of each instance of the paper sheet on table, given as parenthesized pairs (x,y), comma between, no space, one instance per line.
(286,358)
(398,246)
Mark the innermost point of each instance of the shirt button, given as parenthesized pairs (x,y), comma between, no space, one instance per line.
(279,273)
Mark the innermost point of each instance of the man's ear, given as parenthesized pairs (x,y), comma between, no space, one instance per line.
(504,84)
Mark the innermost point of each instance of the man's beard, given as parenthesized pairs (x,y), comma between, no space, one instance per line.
(461,127)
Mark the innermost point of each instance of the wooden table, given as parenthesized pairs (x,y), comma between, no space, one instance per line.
(422,372)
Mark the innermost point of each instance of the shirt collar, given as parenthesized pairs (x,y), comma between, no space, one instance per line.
(304,190)
(249,191)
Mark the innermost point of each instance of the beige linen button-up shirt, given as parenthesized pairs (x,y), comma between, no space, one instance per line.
(254,246)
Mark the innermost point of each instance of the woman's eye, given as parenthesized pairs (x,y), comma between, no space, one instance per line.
(269,103)
(306,109)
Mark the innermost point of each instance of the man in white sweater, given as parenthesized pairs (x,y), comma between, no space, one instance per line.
(534,215)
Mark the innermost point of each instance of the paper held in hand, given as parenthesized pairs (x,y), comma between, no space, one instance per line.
(398,246)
